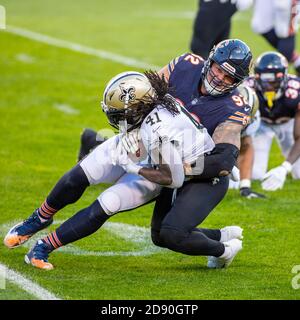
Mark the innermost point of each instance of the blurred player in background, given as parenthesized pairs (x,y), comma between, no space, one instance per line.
(246,156)
(212,23)
(277,22)
(279,105)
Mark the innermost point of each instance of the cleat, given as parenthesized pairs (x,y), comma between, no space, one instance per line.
(231,232)
(89,139)
(234,247)
(227,234)
(22,231)
(38,256)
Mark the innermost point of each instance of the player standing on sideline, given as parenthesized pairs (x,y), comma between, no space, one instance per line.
(279,105)
(169,136)
(277,22)
(213,22)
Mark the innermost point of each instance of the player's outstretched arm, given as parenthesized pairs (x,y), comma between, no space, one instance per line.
(295,151)
(275,178)
(245,163)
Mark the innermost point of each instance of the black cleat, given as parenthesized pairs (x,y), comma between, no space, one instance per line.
(89,139)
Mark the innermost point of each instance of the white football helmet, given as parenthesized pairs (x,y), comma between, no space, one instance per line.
(125,99)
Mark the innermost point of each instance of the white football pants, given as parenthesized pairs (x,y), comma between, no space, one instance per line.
(129,190)
(269,14)
(262,142)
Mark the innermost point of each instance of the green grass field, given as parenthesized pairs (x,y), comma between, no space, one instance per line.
(49,94)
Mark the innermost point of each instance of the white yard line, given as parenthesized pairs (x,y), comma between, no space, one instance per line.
(79,48)
(25,58)
(135,234)
(131,233)
(27,285)
(65,108)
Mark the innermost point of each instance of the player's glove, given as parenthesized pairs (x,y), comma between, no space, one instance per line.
(275,178)
(119,156)
(130,141)
(249,194)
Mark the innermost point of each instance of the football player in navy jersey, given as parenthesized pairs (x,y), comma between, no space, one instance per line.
(279,105)
(207,88)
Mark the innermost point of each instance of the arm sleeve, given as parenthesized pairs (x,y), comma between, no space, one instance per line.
(219,162)
(172,158)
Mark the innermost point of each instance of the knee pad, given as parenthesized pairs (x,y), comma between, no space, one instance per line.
(110,202)
(171,238)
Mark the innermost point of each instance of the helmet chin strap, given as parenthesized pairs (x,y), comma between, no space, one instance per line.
(124,124)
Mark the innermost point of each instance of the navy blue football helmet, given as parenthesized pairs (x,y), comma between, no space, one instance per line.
(234,57)
(271,70)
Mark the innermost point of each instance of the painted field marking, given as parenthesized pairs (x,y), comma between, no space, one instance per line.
(27,285)
(102,54)
(65,108)
(135,234)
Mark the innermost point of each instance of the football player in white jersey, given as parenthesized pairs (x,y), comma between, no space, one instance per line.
(278,21)
(159,135)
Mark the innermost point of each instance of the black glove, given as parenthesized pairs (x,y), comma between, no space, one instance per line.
(249,194)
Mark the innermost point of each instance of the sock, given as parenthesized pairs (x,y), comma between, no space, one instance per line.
(45,212)
(52,241)
(227,253)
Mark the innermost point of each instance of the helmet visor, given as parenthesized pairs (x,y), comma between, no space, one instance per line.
(270,82)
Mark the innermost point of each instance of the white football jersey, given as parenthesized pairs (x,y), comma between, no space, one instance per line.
(189,137)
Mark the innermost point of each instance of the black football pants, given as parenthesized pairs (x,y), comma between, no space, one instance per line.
(174,226)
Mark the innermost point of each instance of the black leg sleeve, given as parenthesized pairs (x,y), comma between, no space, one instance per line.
(163,205)
(68,189)
(82,224)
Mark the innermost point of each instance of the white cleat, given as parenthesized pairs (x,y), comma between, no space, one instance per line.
(227,234)
(232,247)
(231,232)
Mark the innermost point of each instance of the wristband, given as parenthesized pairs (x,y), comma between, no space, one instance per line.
(287,166)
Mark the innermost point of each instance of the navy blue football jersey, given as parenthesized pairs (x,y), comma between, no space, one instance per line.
(283,108)
(185,79)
